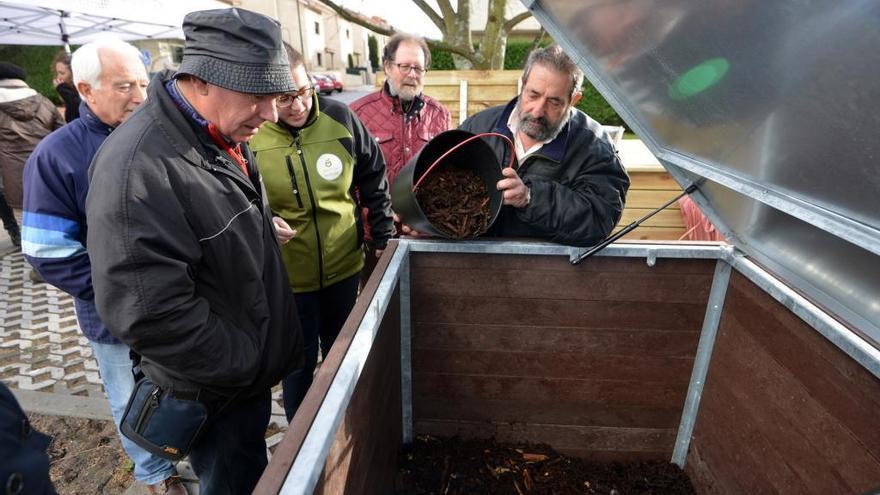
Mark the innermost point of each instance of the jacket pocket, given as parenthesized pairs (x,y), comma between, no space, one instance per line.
(425,135)
(383,137)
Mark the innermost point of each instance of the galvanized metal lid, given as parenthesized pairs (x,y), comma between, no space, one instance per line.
(775,104)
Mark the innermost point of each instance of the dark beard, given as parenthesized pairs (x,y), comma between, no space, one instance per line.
(538,128)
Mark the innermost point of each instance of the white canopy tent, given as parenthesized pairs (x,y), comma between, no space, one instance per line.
(74,22)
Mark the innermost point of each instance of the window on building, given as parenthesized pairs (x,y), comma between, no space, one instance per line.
(320,62)
(347,35)
(317,27)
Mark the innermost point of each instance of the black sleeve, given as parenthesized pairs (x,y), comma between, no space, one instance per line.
(372,183)
(584,211)
(71,101)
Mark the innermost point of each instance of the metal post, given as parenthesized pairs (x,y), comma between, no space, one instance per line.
(65,38)
(701,363)
(406,353)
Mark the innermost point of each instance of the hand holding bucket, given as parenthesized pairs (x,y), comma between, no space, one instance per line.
(457,152)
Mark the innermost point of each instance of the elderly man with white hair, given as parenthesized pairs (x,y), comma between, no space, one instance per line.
(111,80)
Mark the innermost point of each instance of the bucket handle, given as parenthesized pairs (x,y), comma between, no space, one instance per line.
(459,145)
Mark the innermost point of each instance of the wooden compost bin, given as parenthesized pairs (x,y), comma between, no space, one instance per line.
(688,352)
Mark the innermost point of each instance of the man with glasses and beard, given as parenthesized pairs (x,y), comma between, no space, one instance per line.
(569,185)
(399,116)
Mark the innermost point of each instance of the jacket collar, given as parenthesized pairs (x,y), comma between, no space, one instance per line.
(91,121)
(554,150)
(176,126)
(14,90)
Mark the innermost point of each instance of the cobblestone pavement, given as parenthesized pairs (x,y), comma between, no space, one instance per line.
(41,347)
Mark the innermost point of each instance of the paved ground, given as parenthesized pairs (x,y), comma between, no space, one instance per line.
(351,94)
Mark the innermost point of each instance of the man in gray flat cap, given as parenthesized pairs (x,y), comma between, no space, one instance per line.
(185,265)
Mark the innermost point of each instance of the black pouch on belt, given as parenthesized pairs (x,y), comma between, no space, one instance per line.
(163,422)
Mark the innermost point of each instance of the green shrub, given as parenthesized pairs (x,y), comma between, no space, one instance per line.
(595,106)
(441,60)
(37,62)
(518,51)
(373,47)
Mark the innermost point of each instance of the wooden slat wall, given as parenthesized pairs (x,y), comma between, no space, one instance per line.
(593,359)
(650,187)
(783,410)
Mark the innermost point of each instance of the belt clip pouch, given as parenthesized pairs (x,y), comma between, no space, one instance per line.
(160,423)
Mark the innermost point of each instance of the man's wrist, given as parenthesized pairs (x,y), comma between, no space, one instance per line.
(528,196)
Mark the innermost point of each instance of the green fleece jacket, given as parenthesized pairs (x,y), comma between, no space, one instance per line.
(317,178)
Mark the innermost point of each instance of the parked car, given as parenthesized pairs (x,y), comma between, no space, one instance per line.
(322,84)
(337,84)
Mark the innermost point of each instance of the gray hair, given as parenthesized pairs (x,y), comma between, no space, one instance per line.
(86,60)
(554,58)
(393,44)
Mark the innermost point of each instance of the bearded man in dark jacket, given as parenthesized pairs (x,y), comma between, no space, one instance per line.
(569,186)
(185,265)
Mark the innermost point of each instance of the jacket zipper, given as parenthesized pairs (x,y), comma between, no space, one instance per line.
(148,410)
(293,185)
(405,134)
(302,160)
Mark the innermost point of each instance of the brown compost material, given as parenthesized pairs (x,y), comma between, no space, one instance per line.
(455,201)
(450,466)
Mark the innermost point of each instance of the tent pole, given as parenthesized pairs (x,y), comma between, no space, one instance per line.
(64,37)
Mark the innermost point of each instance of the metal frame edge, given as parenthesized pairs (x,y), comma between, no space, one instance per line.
(309,462)
(714,309)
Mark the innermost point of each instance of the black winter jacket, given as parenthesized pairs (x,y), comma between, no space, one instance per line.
(578,185)
(185,265)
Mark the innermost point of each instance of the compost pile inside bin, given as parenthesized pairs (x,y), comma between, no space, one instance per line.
(455,201)
(451,466)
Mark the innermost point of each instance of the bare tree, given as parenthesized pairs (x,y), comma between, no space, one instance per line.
(454,25)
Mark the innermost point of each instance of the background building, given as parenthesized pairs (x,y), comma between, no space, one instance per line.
(325,39)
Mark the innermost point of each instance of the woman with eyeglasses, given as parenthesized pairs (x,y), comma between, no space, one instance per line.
(320,166)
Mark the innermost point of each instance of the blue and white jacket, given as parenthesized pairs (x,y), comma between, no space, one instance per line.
(53,233)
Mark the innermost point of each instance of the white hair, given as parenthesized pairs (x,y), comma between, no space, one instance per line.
(86,60)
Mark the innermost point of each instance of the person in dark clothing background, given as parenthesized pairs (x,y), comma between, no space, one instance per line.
(569,186)
(65,87)
(26,117)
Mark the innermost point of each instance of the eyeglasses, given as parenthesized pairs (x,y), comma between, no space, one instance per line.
(407,68)
(286,100)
